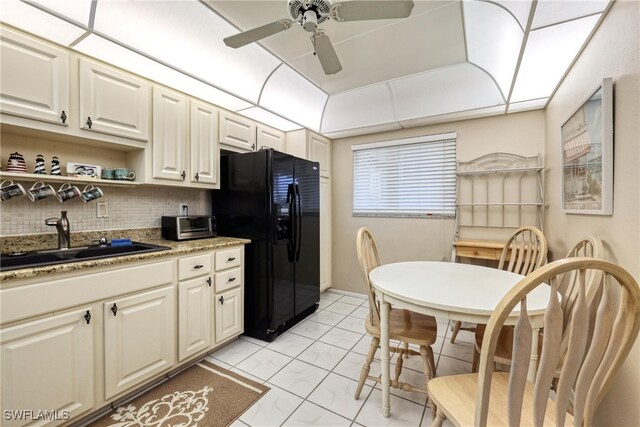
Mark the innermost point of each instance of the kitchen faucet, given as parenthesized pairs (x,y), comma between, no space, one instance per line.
(64,229)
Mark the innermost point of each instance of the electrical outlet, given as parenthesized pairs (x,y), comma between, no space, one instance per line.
(102,210)
(184,209)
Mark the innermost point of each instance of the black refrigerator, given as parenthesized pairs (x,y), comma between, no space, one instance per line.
(273,199)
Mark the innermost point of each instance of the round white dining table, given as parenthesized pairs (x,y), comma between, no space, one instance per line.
(448,290)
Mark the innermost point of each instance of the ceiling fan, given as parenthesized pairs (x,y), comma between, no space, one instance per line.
(310,13)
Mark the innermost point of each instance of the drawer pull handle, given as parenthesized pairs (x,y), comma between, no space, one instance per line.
(221,299)
(87,317)
(209,281)
(231,259)
(63,117)
(197,176)
(231,279)
(114,309)
(183,175)
(198,266)
(89,122)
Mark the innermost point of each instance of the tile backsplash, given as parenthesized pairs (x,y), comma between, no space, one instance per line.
(128,207)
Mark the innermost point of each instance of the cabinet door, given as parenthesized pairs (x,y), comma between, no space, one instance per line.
(228,314)
(34,79)
(205,152)
(320,151)
(325,233)
(236,131)
(169,146)
(139,338)
(113,102)
(270,138)
(194,316)
(47,364)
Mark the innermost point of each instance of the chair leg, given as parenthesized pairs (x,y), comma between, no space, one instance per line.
(432,361)
(454,330)
(364,373)
(399,363)
(406,350)
(439,419)
(427,368)
(476,360)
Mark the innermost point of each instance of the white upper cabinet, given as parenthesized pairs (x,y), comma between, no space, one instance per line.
(205,151)
(270,138)
(34,79)
(113,102)
(320,151)
(237,131)
(169,146)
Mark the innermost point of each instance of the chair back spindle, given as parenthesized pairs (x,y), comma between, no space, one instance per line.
(525,251)
(369,259)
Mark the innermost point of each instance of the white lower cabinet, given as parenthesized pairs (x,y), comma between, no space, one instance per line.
(47,365)
(228,314)
(139,338)
(194,316)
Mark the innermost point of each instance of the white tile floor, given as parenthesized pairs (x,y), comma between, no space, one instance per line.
(313,368)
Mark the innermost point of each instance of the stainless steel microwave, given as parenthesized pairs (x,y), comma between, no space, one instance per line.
(188,227)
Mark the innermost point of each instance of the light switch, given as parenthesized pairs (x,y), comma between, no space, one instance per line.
(102,210)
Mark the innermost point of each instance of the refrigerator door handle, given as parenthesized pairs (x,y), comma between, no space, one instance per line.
(299,222)
(291,200)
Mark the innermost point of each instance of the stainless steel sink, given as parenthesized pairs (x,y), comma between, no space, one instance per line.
(60,256)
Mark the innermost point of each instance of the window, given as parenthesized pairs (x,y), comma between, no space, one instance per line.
(414,177)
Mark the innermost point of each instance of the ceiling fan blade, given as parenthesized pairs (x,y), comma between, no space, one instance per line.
(364,10)
(258,33)
(325,52)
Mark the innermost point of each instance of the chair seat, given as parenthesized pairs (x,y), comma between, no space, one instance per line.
(455,396)
(408,326)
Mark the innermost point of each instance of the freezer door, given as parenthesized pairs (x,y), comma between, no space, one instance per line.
(307,234)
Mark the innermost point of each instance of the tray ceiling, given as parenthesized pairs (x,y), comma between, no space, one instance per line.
(449,60)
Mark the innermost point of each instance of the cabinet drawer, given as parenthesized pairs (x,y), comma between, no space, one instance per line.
(228,279)
(194,266)
(228,258)
(476,252)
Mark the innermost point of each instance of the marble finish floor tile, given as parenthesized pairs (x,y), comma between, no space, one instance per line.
(272,409)
(290,344)
(323,355)
(336,392)
(332,296)
(352,300)
(235,352)
(352,324)
(341,338)
(309,414)
(299,378)
(310,329)
(403,412)
(327,318)
(341,308)
(264,363)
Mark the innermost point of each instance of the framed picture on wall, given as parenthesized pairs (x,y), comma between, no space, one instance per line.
(587,155)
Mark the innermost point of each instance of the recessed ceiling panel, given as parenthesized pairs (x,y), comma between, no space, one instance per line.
(76,10)
(418,43)
(119,56)
(384,127)
(188,35)
(454,117)
(520,10)
(358,108)
(494,40)
(549,12)
(548,54)
(292,96)
(456,88)
(42,24)
(270,119)
(534,104)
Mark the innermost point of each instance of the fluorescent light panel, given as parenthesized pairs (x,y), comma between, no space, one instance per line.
(534,104)
(358,108)
(549,12)
(270,119)
(119,56)
(34,21)
(76,10)
(548,54)
(494,40)
(189,36)
(520,9)
(289,94)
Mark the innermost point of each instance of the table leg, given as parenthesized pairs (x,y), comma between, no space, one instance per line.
(385,307)
(533,362)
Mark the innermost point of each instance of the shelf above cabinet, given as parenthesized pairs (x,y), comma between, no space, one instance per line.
(70,179)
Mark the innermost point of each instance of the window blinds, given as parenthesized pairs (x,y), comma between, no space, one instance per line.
(414,177)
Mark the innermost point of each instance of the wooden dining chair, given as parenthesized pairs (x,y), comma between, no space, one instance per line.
(404,325)
(598,336)
(588,247)
(525,251)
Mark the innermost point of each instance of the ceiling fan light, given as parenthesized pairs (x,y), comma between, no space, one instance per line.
(310,21)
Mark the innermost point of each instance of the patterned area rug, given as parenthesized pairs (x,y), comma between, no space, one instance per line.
(203,395)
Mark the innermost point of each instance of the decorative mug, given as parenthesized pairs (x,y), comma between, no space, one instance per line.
(67,192)
(10,190)
(91,193)
(124,174)
(108,174)
(39,191)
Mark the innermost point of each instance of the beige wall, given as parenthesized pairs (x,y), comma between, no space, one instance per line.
(612,52)
(402,239)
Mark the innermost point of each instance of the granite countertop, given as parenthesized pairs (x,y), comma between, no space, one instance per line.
(176,248)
